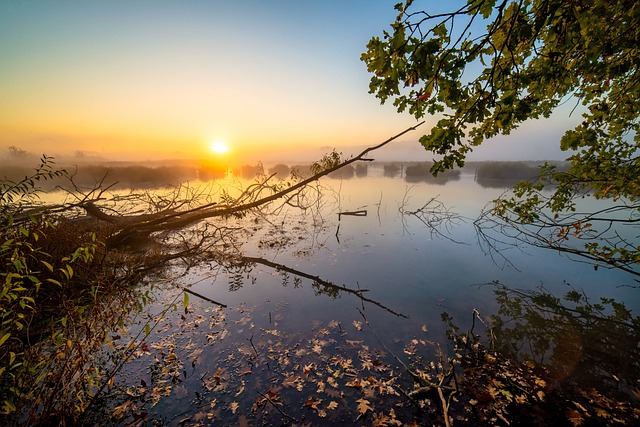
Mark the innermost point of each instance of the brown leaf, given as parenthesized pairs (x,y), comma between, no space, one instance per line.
(234,407)
(291,381)
(575,418)
(332,405)
(312,402)
(363,407)
(355,383)
(120,410)
(380,420)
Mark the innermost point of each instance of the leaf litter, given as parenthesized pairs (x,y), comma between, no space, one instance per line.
(213,364)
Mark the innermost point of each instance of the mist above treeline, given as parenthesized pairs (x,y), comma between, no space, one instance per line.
(86,170)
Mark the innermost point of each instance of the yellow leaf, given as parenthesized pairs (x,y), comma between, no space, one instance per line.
(332,405)
(234,407)
(4,338)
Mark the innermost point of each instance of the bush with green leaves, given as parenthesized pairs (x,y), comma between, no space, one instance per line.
(484,67)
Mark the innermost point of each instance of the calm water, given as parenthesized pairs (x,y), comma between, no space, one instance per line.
(412,274)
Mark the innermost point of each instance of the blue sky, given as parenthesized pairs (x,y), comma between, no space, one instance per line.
(143,79)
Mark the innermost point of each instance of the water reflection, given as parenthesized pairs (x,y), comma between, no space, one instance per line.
(321,287)
(289,343)
(583,343)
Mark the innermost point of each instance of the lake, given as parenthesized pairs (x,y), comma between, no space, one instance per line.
(320,298)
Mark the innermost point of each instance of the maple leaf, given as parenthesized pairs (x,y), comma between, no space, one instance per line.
(234,407)
(363,407)
(357,325)
(332,405)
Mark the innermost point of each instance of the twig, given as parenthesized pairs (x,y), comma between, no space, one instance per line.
(268,399)
(189,291)
(352,213)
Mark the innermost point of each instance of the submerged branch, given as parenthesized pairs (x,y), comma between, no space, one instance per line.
(319,281)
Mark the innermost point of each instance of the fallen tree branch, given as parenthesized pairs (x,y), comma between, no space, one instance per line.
(135,228)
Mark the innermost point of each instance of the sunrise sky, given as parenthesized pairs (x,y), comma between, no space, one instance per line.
(161,79)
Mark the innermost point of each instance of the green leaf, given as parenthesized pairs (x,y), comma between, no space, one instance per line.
(4,338)
(46,264)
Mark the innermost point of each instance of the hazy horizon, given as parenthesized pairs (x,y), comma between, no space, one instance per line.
(155,80)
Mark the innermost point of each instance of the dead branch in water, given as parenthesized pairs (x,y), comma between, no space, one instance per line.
(317,281)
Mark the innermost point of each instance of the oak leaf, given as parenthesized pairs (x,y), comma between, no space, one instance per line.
(380,420)
(363,407)
(312,402)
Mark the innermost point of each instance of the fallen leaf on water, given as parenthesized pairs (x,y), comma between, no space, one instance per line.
(363,407)
(356,383)
(240,390)
(121,410)
(334,324)
(332,405)
(380,420)
(312,402)
(357,324)
(234,407)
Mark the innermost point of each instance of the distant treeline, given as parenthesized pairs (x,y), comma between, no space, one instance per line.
(506,174)
(126,175)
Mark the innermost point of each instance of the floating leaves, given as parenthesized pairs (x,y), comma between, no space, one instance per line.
(363,407)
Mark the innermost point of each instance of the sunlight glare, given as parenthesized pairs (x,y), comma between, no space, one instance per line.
(219,147)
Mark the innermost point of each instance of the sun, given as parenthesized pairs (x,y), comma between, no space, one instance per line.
(219,147)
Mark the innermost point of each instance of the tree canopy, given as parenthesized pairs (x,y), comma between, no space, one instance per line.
(487,66)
